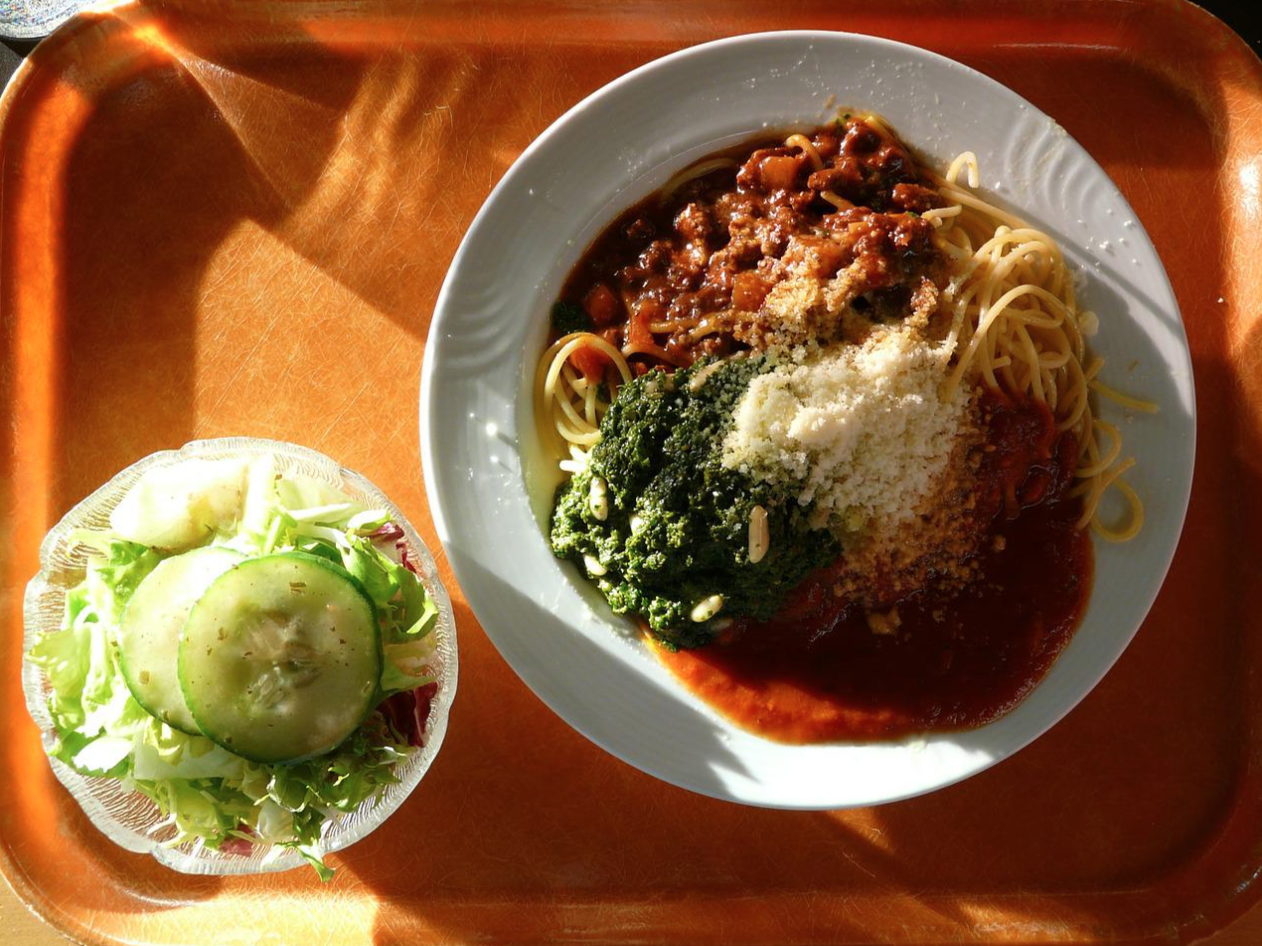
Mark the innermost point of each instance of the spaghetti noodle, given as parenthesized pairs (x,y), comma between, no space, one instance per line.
(1017,327)
(568,403)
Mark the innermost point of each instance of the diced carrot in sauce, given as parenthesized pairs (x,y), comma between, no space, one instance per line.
(646,312)
(592,362)
(778,172)
(748,291)
(602,305)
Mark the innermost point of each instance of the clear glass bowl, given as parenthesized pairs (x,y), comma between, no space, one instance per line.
(129,818)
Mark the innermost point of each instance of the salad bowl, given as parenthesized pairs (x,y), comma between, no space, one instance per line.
(131,819)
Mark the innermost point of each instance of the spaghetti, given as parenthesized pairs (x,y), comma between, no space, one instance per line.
(1017,327)
(569,404)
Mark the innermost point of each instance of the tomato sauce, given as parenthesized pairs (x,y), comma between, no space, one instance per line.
(819,672)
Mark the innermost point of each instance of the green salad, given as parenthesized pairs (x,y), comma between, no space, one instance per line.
(250,650)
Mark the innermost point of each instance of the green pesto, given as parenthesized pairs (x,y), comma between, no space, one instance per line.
(660,453)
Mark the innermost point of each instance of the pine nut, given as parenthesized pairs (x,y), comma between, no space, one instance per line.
(598,498)
(701,377)
(594,567)
(759,534)
(707,608)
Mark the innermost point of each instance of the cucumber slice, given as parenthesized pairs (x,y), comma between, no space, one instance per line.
(281,657)
(149,632)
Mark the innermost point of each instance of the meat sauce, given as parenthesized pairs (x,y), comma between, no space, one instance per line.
(716,245)
(819,671)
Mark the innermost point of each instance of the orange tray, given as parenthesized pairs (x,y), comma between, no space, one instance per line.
(234,219)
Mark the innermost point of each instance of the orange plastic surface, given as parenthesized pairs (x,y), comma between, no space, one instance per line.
(234,219)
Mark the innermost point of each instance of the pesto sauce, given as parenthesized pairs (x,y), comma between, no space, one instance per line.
(660,454)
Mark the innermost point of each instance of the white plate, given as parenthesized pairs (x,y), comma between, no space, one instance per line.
(616,147)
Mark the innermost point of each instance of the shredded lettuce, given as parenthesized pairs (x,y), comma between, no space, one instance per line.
(208,793)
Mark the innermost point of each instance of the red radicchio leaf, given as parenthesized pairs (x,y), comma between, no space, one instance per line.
(239,846)
(391,531)
(408,712)
(405,558)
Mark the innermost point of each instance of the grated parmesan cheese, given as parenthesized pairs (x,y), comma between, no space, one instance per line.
(860,430)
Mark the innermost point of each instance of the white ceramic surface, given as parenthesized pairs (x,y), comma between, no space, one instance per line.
(617,146)
(129,818)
